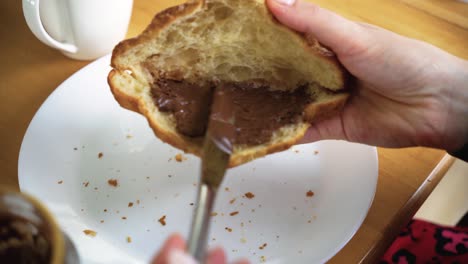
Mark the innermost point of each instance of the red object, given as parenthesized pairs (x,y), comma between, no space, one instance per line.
(424,242)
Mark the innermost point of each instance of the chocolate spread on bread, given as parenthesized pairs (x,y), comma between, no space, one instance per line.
(256,112)
(190,104)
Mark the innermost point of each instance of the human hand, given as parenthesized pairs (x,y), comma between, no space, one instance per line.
(408,93)
(174,252)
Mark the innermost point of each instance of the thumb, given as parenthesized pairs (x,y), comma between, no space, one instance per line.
(343,36)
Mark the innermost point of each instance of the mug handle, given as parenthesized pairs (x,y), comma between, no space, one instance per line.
(33,19)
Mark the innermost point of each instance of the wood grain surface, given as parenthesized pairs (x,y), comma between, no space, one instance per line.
(30,71)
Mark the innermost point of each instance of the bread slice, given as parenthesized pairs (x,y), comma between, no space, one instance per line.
(231,41)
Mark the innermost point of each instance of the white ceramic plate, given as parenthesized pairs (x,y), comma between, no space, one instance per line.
(59,163)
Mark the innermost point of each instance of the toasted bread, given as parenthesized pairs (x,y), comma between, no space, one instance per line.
(231,41)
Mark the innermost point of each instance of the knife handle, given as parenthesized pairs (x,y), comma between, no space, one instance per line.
(198,239)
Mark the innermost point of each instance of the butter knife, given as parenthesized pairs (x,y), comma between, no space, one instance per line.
(216,153)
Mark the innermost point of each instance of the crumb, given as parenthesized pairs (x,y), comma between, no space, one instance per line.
(232,201)
(170,176)
(213,239)
(195,184)
(169,160)
(124,218)
(250,221)
(310,221)
(253,210)
(249,195)
(147,178)
(296,151)
(90,233)
(100,155)
(60,182)
(214,214)
(95,188)
(82,209)
(75,148)
(105,210)
(262,246)
(85,184)
(179,157)
(129,239)
(226,189)
(243,240)
(102,221)
(310,193)
(228,229)
(162,220)
(129,136)
(130,204)
(262,259)
(314,217)
(138,201)
(277,236)
(234,213)
(191,204)
(316,152)
(113,182)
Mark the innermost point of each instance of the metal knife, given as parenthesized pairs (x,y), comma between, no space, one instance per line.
(216,153)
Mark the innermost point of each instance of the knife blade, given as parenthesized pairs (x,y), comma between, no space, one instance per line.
(217,149)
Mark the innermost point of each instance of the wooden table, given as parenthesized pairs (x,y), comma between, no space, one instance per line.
(30,71)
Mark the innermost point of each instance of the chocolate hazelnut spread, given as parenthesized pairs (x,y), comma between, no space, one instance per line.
(190,104)
(255,112)
(22,242)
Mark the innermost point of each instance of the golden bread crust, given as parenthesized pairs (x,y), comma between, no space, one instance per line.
(313,112)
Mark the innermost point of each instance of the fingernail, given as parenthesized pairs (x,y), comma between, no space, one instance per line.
(286,2)
(180,257)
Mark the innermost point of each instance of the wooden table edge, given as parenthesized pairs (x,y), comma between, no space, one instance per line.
(406,213)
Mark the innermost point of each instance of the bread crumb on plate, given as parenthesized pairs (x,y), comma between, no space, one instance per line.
(113,182)
(90,232)
(162,220)
(249,195)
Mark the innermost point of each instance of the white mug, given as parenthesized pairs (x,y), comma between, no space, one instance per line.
(80,29)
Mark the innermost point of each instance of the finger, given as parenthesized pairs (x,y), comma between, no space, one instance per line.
(327,129)
(343,36)
(174,242)
(216,256)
